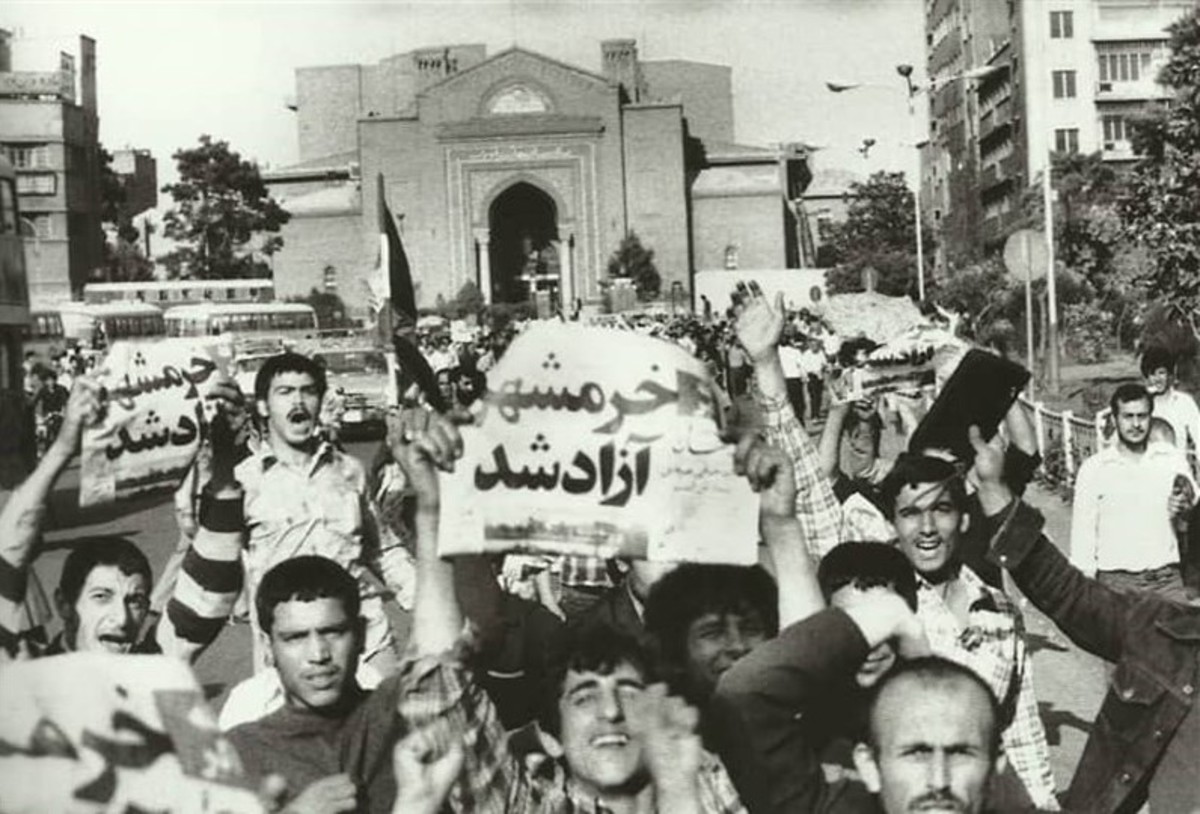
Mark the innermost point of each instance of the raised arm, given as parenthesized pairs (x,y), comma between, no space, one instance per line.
(770,474)
(23,515)
(759,325)
(211,576)
(829,447)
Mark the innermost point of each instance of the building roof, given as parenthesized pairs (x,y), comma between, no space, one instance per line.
(732,180)
(340,199)
(516,49)
(336,165)
(728,152)
(831,183)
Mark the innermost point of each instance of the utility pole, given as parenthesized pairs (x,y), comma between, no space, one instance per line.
(1051,288)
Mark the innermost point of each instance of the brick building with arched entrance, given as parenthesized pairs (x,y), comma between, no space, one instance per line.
(519,170)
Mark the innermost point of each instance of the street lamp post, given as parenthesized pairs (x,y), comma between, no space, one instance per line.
(912,89)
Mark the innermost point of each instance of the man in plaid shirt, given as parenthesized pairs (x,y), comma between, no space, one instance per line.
(966,620)
(759,326)
(616,740)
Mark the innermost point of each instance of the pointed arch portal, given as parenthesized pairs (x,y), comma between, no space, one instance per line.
(523,244)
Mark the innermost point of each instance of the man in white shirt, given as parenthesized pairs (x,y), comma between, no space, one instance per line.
(792,360)
(812,362)
(1177,407)
(1125,501)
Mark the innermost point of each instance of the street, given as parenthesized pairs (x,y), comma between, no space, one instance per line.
(1070,683)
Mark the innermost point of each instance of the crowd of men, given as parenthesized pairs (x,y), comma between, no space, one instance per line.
(861,667)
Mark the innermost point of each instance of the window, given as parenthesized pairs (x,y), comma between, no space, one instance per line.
(8,207)
(1114,129)
(29,156)
(1064,84)
(1066,140)
(330,279)
(1124,67)
(1062,25)
(40,184)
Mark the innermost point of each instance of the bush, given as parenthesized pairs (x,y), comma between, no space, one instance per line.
(1087,330)
(1054,475)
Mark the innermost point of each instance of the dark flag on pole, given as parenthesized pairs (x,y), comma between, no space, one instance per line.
(394,263)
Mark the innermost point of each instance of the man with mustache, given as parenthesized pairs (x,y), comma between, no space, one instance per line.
(1125,502)
(304,496)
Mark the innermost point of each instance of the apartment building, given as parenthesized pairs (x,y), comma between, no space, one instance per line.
(49,130)
(1049,76)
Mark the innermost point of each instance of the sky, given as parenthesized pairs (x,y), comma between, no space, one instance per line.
(170,71)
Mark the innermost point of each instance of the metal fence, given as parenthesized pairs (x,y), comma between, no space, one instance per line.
(1077,438)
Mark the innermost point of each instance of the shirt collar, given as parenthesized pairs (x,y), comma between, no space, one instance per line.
(267,457)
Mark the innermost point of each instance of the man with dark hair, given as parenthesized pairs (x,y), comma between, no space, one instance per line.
(103,594)
(303,495)
(1145,743)
(849,450)
(616,740)
(933,739)
(1177,407)
(706,617)
(1125,503)
(802,694)
(966,619)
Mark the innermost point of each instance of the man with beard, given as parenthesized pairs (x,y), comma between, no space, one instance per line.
(1125,502)
(967,620)
(305,496)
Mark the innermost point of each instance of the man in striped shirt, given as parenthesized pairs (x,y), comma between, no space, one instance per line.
(103,595)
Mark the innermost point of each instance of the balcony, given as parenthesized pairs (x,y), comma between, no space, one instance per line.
(1142,90)
(1118,151)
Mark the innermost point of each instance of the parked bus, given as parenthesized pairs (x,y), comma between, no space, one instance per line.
(44,334)
(84,323)
(284,320)
(16,453)
(167,293)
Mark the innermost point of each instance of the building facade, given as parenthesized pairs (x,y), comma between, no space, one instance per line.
(1050,76)
(517,171)
(49,131)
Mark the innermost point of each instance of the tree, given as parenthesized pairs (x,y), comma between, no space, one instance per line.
(331,311)
(879,233)
(1161,208)
(124,260)
(223,216)
(636,262)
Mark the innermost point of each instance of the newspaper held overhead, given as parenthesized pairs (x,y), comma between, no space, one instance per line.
(593,441)
(154,416)
(134,735)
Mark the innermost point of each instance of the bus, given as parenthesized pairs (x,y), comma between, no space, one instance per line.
(283,320)
(168,293)
(16,451)
(84,323)
(43,335)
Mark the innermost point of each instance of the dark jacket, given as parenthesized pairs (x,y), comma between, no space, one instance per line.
(1154,643)
(767,723)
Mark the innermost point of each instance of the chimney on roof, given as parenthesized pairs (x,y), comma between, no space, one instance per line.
(621,65)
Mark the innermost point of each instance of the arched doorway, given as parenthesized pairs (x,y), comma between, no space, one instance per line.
(523,232)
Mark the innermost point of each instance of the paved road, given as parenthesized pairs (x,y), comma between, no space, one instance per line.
(1069,681)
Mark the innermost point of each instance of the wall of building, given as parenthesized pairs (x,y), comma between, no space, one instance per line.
(312,242)
(328,104)
(656,187)
(753,223)
(706,92)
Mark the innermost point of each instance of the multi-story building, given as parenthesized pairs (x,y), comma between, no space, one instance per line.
(515,170)
(1065,76)
(49,130)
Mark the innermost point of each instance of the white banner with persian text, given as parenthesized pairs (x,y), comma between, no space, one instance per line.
(96,732)
(154,416)
(598,442)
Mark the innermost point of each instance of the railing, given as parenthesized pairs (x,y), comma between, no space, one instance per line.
(1077,438)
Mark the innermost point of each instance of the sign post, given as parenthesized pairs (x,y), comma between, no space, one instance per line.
(1025,259)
